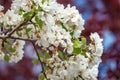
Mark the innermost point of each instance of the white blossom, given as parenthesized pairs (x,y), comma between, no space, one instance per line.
(53,28)
(21,4)
(67,70)
(1,8)
(98,44)
(18,54)
(96,48)
(10,18)
(91,74)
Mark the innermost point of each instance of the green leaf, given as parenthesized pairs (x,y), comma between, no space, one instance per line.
(6,58)
(8,41)
(11,50)
(63,26)
(28,15)
(27,31)
(39,22)
(43,1)
(83,39)
(77,51)
(47,55)
(41,76)
(46,68)
(60,54)
(77,43)
(35,61)
(40,55)
(21,11)
(71,33)
(17,32)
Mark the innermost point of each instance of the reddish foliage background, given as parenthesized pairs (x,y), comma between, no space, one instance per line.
(100,16)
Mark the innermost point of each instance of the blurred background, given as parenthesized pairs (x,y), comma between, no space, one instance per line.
(102,16)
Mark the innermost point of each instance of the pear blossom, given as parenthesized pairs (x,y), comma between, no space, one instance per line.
(98,44)
(53,28)
(1,8)
(10,18)
(21,4)
(18,54)
(67,70)
(1,14)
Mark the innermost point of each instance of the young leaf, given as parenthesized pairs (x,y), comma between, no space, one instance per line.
(83,40)
(40,54)
(43,1)
(35,61)
(39,22)
(77,43)
(60,54)
(47,55)
(27,31)
(28,15)
(6,58)
(41,76)
(63,26)
(77,51)
(46,68)
(20,11)
(11,50)
(8,41)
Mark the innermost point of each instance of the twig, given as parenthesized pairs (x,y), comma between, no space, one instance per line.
(25,39)
(23,23)
(43,70)
(19,38)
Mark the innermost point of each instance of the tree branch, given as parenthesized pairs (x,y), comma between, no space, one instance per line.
(43,70)
(16,28)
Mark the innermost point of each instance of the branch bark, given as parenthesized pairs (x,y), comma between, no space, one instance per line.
(43,70)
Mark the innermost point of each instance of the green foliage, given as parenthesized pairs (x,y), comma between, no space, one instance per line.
(77,51)
(77,43)
(27,31)
(71,33)
(60,54)
(41,76)
(79,46)
(63,26)
(6,58)
(8,41)
(40,55)
(43,1)
(21,11)
(47,55)
(46,68)
(11,50)
(39,22)
(35,61)
(83,39)
(28,15)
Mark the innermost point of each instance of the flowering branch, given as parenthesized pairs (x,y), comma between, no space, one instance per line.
(67,55)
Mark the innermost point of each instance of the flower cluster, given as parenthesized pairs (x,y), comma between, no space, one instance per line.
(56,30)
(77,66)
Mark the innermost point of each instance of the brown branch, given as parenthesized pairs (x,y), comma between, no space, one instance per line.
(43,70)
(23,23)
(25,39)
